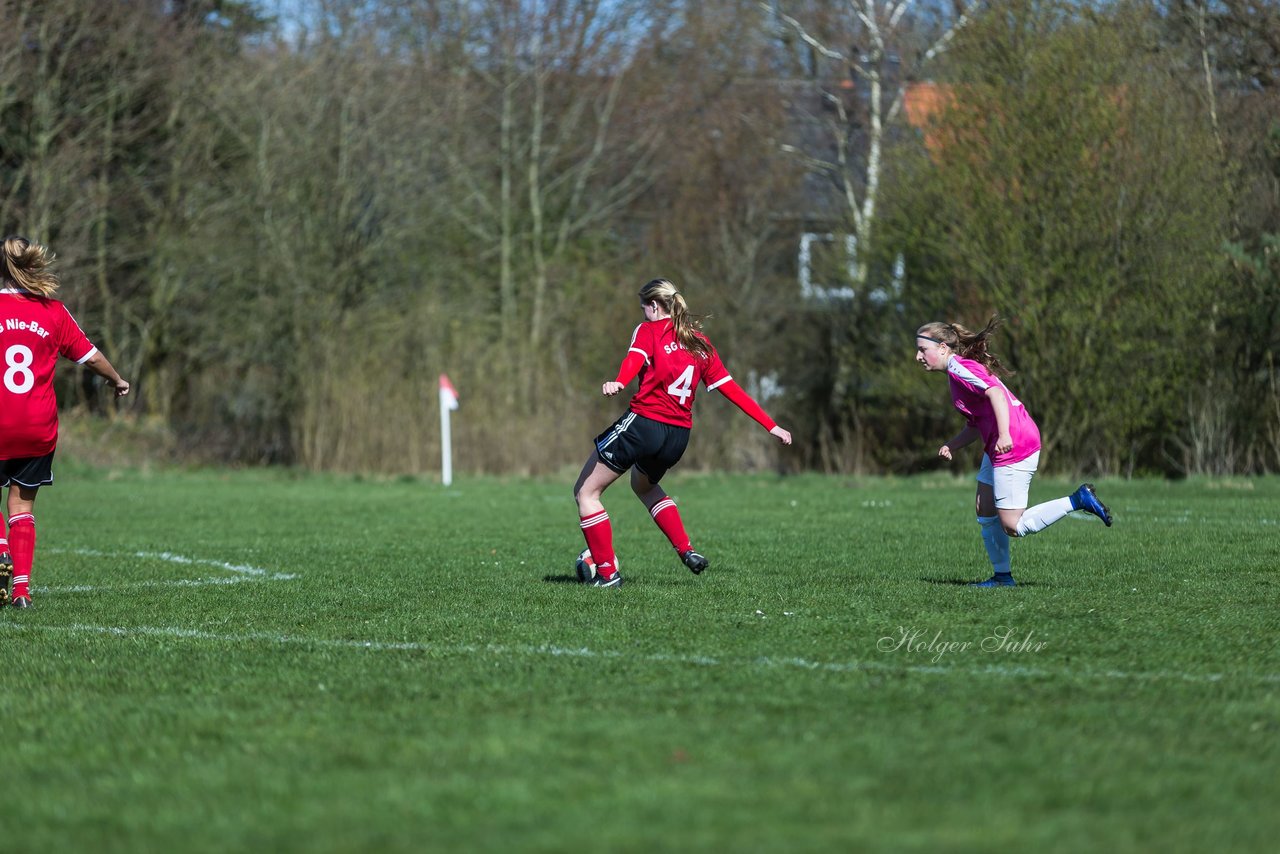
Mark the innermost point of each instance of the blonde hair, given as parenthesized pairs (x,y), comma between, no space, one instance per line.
(664,293)
(26,267)
(966,343)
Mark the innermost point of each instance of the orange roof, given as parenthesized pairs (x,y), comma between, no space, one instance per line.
(922,100)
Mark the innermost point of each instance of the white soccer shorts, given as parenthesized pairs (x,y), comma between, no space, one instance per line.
(1011,483)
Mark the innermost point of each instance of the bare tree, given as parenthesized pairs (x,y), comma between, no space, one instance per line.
(863,54)
(537,155)
(85,110)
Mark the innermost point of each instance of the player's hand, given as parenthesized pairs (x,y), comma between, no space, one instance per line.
(1004,443)
(783,435)
(611,388)
(945,452)
(122,388)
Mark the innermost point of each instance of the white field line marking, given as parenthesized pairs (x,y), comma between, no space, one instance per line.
(553,651)
(243,569)
(243,572)
(143,585)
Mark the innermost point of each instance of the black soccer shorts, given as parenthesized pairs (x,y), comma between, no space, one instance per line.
(651,446)
(27,471)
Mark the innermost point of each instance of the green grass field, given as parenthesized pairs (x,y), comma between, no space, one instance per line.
(260,661)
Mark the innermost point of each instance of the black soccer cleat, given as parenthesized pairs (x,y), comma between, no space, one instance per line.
(694,561)
(6,575)
(614,580)
(22,601)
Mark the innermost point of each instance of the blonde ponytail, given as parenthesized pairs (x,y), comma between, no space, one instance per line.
(26,267)
(687,327)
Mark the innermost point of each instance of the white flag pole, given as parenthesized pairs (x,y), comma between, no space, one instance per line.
(448,403)
(446,444)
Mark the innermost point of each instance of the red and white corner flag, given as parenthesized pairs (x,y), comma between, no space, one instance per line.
(448,396)
(448,403)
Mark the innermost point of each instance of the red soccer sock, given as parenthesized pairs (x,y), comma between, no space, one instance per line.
(598,533)
(668,519)
(22,547)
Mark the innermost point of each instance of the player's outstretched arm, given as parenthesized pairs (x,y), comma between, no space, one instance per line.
(747,404)
(100,366)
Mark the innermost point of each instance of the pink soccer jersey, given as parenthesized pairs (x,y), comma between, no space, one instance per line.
(669,378)
(969,383)
(34,332)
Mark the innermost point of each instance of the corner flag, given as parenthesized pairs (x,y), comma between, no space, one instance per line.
(448,403)
(448,396)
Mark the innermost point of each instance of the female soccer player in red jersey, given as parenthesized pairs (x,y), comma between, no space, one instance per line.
(35,330)
(671,356)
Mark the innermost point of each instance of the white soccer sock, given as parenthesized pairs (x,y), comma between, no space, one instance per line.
(1036,519)
(997,543)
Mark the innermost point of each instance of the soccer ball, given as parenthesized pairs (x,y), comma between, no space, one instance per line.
(585,566)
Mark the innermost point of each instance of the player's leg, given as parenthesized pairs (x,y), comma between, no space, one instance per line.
(666,516)
(994,538)
(1013,484)
(665,451)
(22,540)
(1036,519)
(6,562)
(595,478)
(615,453)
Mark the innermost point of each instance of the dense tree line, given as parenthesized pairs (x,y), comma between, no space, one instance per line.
(284,229)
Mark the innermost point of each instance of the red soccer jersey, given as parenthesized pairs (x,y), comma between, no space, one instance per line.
(670,374)
(34,331)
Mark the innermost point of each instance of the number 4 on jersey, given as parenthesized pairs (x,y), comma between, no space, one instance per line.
(682,388)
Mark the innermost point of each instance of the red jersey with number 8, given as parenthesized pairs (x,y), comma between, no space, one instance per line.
(34,332)
(670,376)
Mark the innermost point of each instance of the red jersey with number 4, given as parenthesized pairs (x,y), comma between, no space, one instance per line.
(670,376)
(34,332)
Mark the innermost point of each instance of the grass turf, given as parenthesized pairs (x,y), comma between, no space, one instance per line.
(229,661)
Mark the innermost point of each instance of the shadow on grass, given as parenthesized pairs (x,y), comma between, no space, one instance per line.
(650,581)
(965,582)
